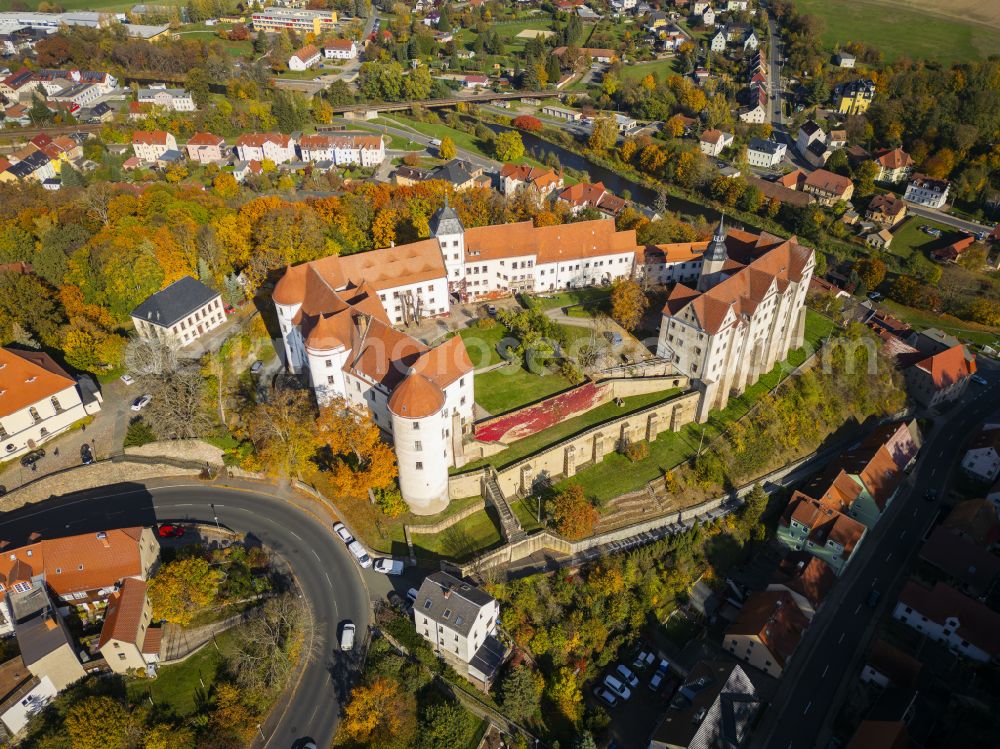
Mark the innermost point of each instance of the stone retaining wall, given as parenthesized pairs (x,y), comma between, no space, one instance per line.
(449,521)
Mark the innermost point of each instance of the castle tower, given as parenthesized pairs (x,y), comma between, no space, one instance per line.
(420,423)
(447,228)
(714,258)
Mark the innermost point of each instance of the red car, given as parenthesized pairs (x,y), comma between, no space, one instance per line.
(170,531)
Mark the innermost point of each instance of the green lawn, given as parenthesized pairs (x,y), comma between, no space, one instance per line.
(592,295)
(510,387)
(907,238)
(921,320)
(617,475)
(464,540)
(177,687)
(481,343)
(462,139)
(900,32)
(659,68)
(569,427)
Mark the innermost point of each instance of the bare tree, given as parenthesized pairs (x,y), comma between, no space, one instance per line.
(177,410)
(150,357)
(96,200)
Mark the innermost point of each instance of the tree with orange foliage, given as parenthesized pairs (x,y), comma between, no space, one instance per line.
(527,123)
(372,716)
(384,227)
(351,448)
(575,516)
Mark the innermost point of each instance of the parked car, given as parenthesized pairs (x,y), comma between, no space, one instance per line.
(411,596)
(655,682)
(388,566)
(603,694)
(617,687)
(33,457)
(360,554)
(141,402)
(663,667)
(874,296)
(623,673)
(169,531)
(127,379)
(347,636)
(229,309)
(643,660)
(86,454)
(873,597)
(341,530)
(491,310)
(256,367)
(672,684)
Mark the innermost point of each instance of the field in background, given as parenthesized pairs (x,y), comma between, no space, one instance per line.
(101,5)
(949,31)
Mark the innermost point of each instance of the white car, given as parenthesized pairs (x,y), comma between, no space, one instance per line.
(341,530)
(617,687)
(627,676)
(141,402)
(389,566)
(411,596)
(360,554)
(127,379)
(655,682)
(347,637)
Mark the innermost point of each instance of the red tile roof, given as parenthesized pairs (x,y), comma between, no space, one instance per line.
(152,138)
(901,669)
(342,44)
(828,182)
(977,623)
(416,398)
(27,377)
(307,52)
(257,140)
(775,618)
(948,367)
(206,139)
(896,158)
(880,734)
(807,575)
(124,613)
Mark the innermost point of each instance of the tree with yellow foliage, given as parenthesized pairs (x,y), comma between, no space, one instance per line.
(183,587)
(372,715)
(352,450)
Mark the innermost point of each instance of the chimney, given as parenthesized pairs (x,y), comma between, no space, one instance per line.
(50,621)
(361,320)
(36,536)
(447,592)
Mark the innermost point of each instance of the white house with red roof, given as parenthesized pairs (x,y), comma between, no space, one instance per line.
(304,58)
(206,148)
(151,145)
(940,377)
(364,149)
(38,400)
(743,317)
(968,627)
(277,147)
(713,142)
(340,49)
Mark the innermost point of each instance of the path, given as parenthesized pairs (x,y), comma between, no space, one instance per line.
(180,642)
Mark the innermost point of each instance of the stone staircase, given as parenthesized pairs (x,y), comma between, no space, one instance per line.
(510,526)
(630,508)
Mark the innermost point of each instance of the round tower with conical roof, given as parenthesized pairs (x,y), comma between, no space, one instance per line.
(714,259)
(447,228)
(420,424)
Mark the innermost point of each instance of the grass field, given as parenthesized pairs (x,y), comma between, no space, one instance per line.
(907,238)
(659,68)
(179,687)
(467,538)
(962,330)
(950,31)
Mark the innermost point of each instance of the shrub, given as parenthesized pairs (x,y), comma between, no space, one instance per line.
(139,433)
(486,323)
(636,451)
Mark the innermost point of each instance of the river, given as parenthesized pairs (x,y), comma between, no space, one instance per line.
(616,183)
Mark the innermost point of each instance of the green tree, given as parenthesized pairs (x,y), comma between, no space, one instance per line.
(139,433)
(520,693)
(864,178)
(101,723)
(417,84)
(183,587)
(444,726)
(508,146)
(381,80)
(871,271)
(553,71)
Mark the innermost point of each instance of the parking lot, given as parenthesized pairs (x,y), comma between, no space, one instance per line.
(633,720)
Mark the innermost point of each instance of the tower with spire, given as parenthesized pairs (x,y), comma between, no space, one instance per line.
(446,227)
(714,259)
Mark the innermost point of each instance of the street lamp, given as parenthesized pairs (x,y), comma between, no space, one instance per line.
(216,516)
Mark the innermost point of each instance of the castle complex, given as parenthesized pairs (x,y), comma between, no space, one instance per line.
(337,315)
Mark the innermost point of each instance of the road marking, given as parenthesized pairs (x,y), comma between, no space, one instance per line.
(316,555)
(857,609)
(807,708)
(825,670)
(842,636)
(888,556)
(328,581)
(875,579)
(933,471)
(902,534)
(296,535)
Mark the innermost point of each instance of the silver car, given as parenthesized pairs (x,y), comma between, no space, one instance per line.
(359,553)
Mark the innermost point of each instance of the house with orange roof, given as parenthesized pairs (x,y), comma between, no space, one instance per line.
(676,262)
(206,148)
(746,312)
(886,210)
(260,146)
(38,400)
(713,142)
(808,579)
(828,187)
(950,253)
(966,626)
(767,632)
(894,165)
(517,177)
(304,58)
(584,195)
(941,377)
(821,530)
(128,640)
(152,144)
(343,149)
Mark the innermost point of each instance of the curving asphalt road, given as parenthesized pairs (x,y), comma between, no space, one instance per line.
(327,576)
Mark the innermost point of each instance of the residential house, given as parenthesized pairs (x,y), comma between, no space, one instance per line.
(828,187)
(854,97)
(718,42)
(47,646)
(304,58)
(880,240)
(934,341)
(939,378)
(151,145)
(767,632)
(778,191)
(844,60)
(462,175)
(950,252)
(170,99)
(584,195)
(713,142)
(340,49)
(38,400)
(894,165)
(344,149)
(274,20)
(806,578)
(410,175)
(836,140)
(275,147)
(180,314)
(243,169)
(517,177)
(887,665)
(460,622)
(206,148)
(765,154)
(982,458)
(716,706)
(128,642)
(594,54)
(708,17)
(960,561)
(678,262)
(756,113)
(808,134)
(966,626)
(926,191)
(36,166)
(810,525)
(23,695)
(977,519)
(886,210)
